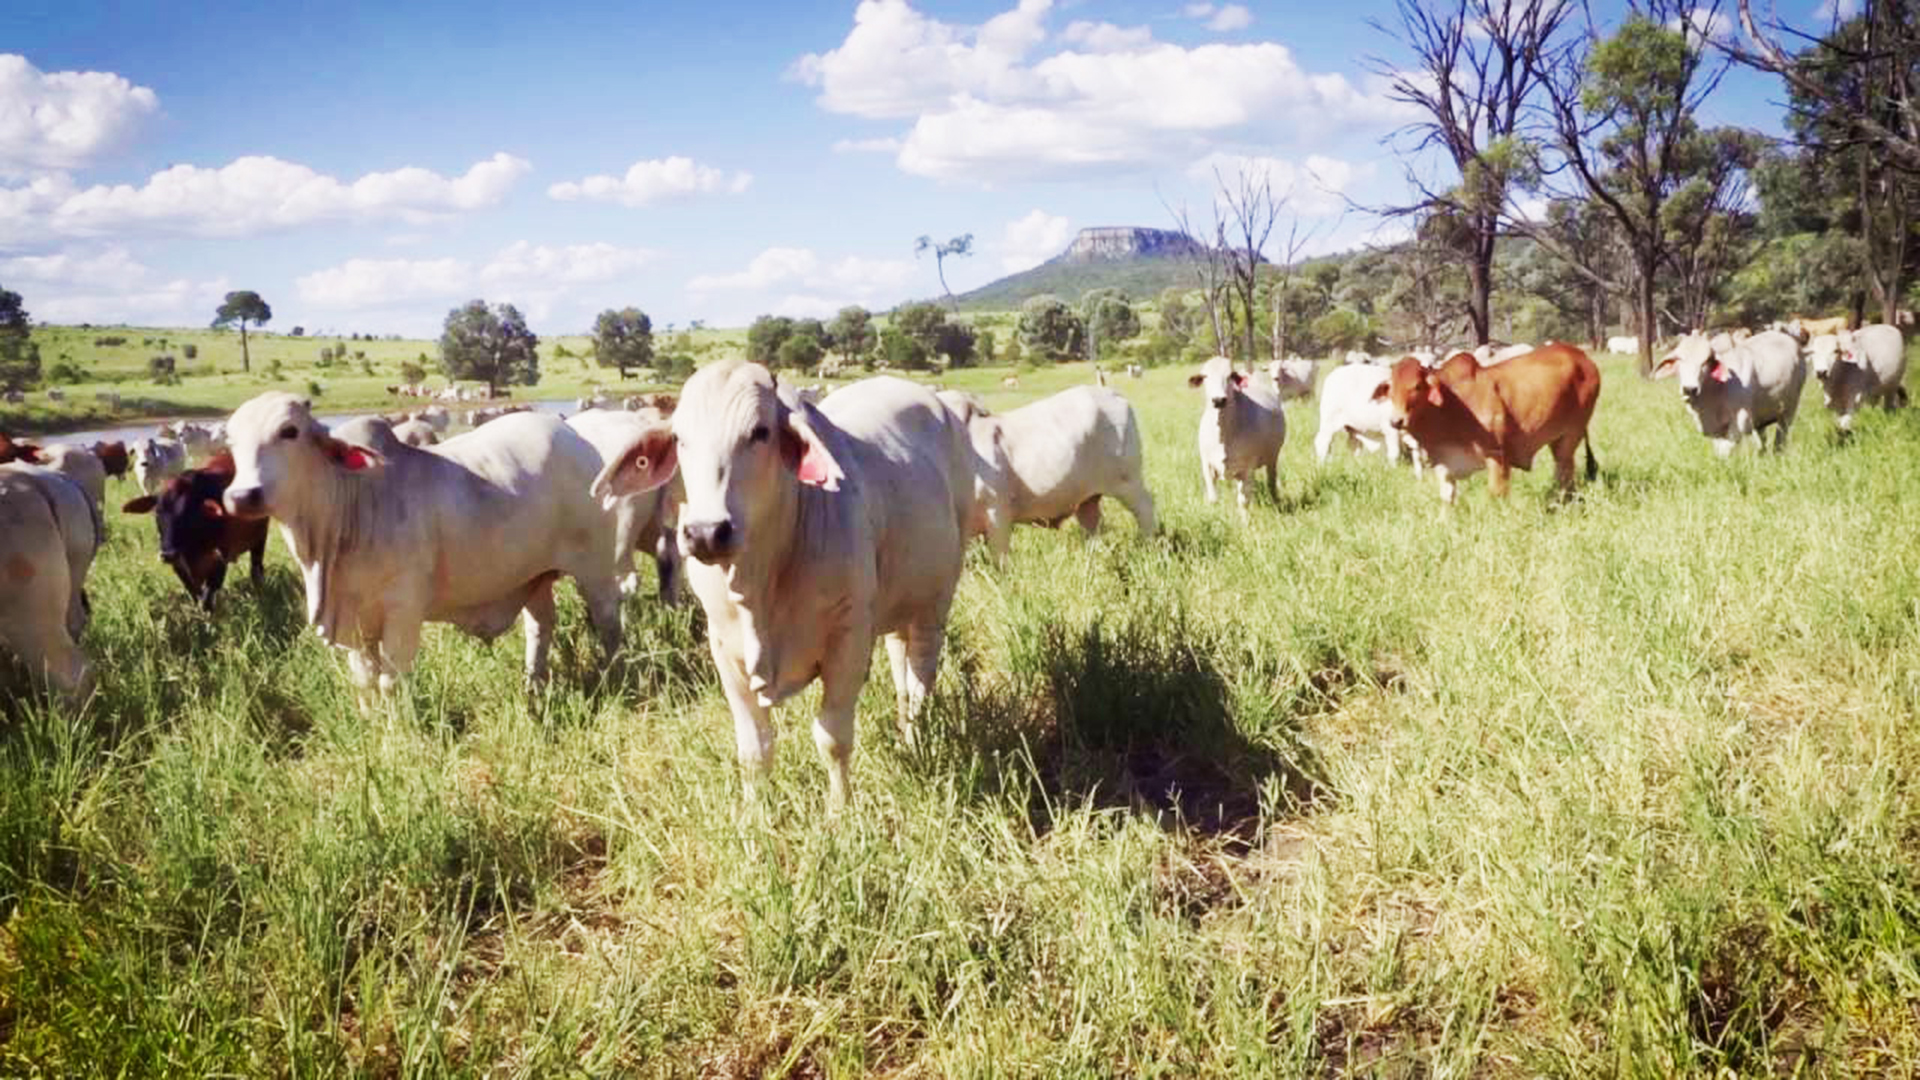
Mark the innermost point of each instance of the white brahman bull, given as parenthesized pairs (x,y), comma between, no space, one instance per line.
(644,521)
(1740,391)
(156,461)
(1293,377)
(1349,406)
(471,532)
(1241,429)
(49,532)
(1054,459)
(812,531)
(1626,346)
(1860,367)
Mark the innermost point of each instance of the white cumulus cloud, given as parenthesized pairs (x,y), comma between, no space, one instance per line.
(1230,17)
(58,120)
(252,195)
(521,272)
(987,104)
(108,285)
(1028,241)
(799,282)
(649,182)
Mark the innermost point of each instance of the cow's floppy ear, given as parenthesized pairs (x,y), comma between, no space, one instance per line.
(346,455)
(142,505)
(212,508)
(1667,366)
(1196,380)
(805,453)
(644,464)
(1380,392)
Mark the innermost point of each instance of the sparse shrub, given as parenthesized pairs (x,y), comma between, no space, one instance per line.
(66,371)
(191,352)
(161,370)
(314,389)
(359,354)
(275,371)
(413,372)
(109,342)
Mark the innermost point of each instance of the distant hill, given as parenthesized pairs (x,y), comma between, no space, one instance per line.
(1138,261)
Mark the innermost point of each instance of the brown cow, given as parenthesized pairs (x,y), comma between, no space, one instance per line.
(113,457)
(198,538)
(1468,417)
(11,451)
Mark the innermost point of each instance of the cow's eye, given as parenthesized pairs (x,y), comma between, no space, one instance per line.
(759,433)
(291,431)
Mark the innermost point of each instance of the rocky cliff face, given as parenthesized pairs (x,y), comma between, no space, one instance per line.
(1126,242)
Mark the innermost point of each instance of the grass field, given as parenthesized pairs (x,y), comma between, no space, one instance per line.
(1620,788)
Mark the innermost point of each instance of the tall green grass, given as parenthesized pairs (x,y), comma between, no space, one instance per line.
(1623,787)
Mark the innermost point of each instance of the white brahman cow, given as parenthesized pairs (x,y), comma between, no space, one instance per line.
(1860,367)
(812,531)
(1349,406)
(471,532)
(49,532)
(1741,391)
(643,521)
(1241,429)
(1054,459)
(156,461)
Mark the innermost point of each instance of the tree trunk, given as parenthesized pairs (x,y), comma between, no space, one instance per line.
(246,363)
(1480,284)
(1645,313)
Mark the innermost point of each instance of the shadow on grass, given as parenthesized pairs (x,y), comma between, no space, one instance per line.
(1133,712)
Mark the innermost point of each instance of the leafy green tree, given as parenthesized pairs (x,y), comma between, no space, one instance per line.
(1180,317)
(765,336)
(413,372)
(956,248)
(1109,320)
(1340,330)
(921,320)
(243,307)
(1049,328)
(490,345)
(623,339)
(19,356)
(852,333)
(902,352)
(958,343)
(801,352)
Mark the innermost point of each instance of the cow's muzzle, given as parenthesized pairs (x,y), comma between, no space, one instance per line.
(246,502)
(709,541)
(1219,403)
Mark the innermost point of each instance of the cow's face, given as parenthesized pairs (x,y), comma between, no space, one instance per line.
(1408,388)
(1218,381)
(1824,352)
(281,454)
(740,442)
(1696,365)
(189,517)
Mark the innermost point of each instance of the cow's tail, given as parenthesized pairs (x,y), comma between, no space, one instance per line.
(1593,467)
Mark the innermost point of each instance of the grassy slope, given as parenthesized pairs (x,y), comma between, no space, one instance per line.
(1624,788)
(212,384)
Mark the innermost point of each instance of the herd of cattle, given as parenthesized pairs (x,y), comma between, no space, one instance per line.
(806,526)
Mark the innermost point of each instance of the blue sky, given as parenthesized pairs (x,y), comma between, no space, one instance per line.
(367,167)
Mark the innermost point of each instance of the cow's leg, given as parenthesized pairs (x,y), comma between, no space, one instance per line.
(1723,446)
(603,611)
(1243,493)
(1448,488)
(840,680)
(915,652)
(399,647)
(999,531)
(1273,479)
(52,657)
(1088,515)
(1392,439)
(1323,442)
(1566,452)
(1845,422)
(257,554)
(753,734)
(364,671)
(1206,477)
(538,620)
(1139,502)
(215,580)
(666,563)
(1497,475)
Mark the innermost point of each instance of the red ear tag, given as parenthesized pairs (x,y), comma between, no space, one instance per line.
(1239,379)
(353,460)
(1720,373)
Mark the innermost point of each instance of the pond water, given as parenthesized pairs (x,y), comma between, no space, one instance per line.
(147,428)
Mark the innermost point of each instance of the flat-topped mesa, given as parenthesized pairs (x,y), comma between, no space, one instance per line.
(1127,242)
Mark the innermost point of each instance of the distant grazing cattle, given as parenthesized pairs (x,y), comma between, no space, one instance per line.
(56,394)
(1052,460)
(1467,417)
(1860,367)
(1349,407)
(415,433)
(812,531)
(1806,329)
(472,532)
(1627,346)
(1241,429)
(48,536)
(157,460)
(1011,382)
(198,538)
(1293,377)
(1751,386)
(1133,371)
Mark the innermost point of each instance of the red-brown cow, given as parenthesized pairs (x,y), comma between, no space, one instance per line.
(113,456)
(198,538)
(11,451)
(1468,417)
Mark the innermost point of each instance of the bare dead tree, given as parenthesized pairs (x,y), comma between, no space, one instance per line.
(1479,67)
(1892,52)
(1706,217)
(1252,210)
(1281,280)
(1206,261)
